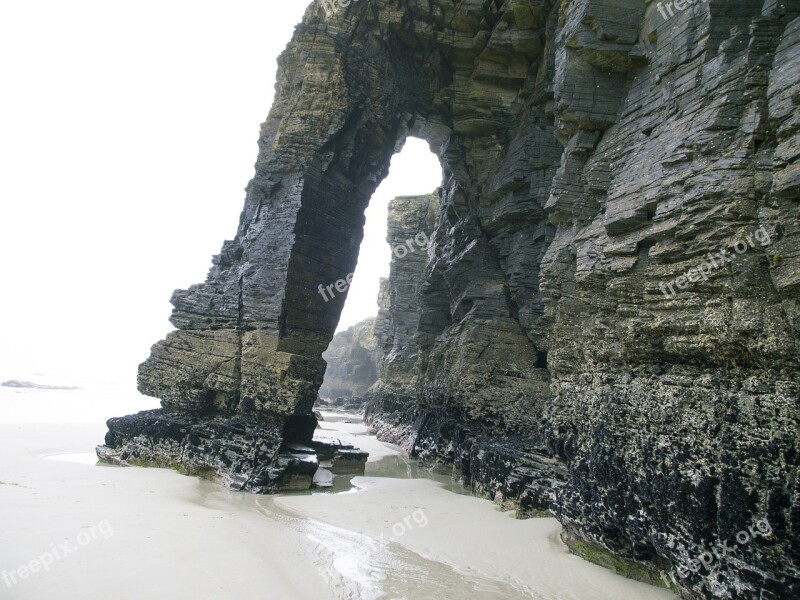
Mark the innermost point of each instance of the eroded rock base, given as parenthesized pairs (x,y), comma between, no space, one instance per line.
(262,456)
(515,472)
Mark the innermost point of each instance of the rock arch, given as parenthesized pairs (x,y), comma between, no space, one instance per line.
(351,88)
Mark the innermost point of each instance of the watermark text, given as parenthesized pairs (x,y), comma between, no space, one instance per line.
(56,553)
(709,557)
(714,262)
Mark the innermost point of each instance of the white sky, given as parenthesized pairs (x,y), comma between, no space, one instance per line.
(127,135)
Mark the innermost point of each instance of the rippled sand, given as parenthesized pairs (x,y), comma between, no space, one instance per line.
(389,536)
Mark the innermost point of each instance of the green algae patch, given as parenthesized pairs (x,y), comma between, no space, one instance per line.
(625,567)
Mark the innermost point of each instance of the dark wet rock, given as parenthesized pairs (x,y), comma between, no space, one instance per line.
(513,471)
(239,453)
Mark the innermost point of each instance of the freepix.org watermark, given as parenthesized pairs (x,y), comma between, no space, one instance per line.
(56,553)
(721,550)
(416,520)
(714,262)
(421,241)
(665,8)
(332,6)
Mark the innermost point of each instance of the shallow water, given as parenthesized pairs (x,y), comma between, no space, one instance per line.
(395,466)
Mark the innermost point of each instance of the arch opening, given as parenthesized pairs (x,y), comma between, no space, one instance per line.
(354,355)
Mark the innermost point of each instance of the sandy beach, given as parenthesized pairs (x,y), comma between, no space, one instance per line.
(74,530)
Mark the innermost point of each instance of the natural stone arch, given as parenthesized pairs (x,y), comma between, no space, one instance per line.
(351,87)
(250,338)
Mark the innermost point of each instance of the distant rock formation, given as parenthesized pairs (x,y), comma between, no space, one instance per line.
(607,322)
(14,383)
(353,359)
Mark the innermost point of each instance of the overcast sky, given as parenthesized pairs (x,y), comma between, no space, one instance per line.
(127,135)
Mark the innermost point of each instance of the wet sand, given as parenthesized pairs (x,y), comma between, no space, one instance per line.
(131,533)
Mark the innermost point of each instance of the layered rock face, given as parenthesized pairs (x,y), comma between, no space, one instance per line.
(607,321)
(353,360)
